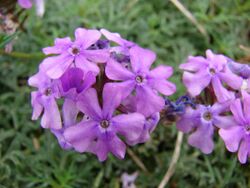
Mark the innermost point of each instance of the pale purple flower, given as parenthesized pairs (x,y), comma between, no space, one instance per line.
(99,134)
(142,80)
(201,122)
(44,100)
(27,4)
(128,180)
(74,54)
(237,137)
(200,72)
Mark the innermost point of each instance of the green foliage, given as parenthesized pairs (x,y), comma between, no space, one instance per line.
(31,157)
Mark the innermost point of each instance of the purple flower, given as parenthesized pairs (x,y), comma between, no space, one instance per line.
(98,135)
(44,100)
(27,4)
(128,180)
(74,54)
(200,72)
(202,122)
(237,137)
(142,80)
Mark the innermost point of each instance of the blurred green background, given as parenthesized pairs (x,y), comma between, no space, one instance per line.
(31,156)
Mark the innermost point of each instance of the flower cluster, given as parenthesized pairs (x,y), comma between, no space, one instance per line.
(221,88)
(98,93)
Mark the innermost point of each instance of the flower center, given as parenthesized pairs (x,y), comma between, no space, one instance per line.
(75,51)
(212,71)
(104,124)
(247,129)
(207,116)
(139,79)
(48,91)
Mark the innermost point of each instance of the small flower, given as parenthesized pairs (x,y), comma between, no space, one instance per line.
(200,72)
(143,81)
(237,137)
(99,134)
(202,122)
(128,180)
(74,54)
(44,100)
(27,4)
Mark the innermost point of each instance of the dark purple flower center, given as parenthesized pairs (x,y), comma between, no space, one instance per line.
(104,124)
(212,71)
(74,50)
(207,116)
(48,91)
(139,79)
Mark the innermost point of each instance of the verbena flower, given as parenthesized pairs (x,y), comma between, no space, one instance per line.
(99,134)
(237,136)
(128,180)
(200,72)
(74,54)
(102,106)
(143,81)
(44,100)
(201,123)
(27,4)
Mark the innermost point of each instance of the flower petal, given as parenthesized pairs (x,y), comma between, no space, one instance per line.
(223,122)
(51,117)
(246,105)
(161,72)
(55,66)
(81,135)
(88,103)
(148,102)
(163,86)
(87,66)
(243,151)
(236,109)
(87,37)
(116,71)
(231,79)
(70,112)
(194,64)
(188,121)
(129,125)
(37,107)
(141,59)
(98,56)
(194,87)
(202,138)
(61,44)
(111,99)
(221,93)
(232,137)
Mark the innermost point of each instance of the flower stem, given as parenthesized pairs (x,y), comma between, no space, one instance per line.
(171,168)
(23,55)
